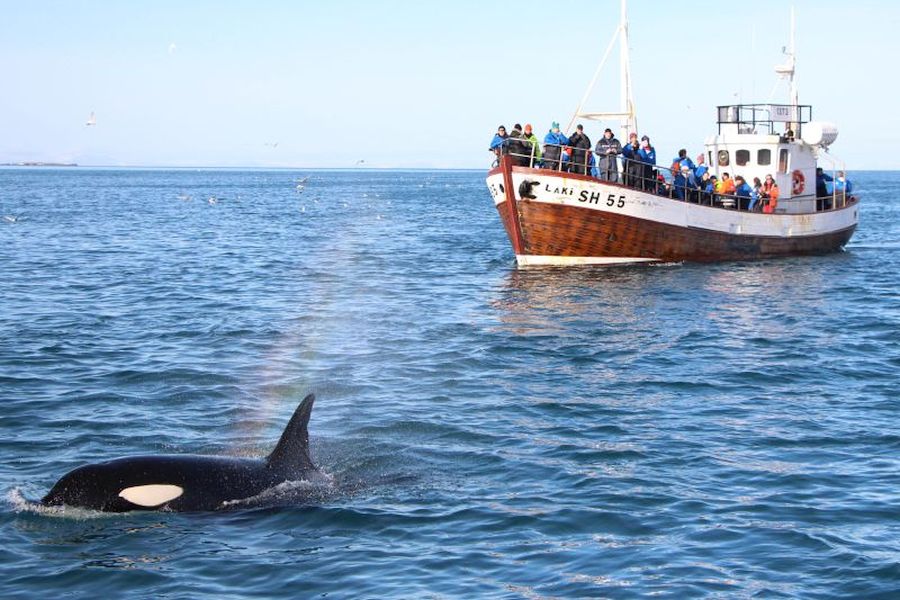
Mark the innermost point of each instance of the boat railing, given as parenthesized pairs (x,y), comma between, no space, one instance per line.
(661,181)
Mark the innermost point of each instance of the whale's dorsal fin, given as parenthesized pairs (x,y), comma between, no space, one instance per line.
(292,452)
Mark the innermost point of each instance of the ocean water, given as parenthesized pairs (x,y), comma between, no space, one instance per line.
(686,431)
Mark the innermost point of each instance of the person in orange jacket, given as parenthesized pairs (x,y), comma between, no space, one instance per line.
(769,195)
(725,186)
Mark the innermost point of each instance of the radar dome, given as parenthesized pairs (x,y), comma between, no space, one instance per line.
(818,133)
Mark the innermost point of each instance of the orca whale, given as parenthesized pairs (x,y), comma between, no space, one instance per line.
(187,482)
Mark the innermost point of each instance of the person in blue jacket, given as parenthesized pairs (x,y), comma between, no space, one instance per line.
(842,184)
(679,182)
(499,139)
(554,142)
(822,191)
(743,191)
(647,156)
(632,170)
(700,169)
(684,160)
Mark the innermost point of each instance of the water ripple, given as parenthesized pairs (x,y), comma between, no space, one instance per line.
(687,431)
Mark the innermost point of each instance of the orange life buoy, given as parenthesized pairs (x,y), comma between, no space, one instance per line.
(798,182)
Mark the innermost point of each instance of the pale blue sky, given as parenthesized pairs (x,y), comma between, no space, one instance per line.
(416,84)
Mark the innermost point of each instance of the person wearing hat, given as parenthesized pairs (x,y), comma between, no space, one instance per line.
(680,181)
(518,150)
(633,170)
(531,139)
(554,142)
(647,157)
(608,148)
(499,140)
(581,146)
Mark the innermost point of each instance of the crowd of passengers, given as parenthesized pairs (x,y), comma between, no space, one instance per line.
(689,181)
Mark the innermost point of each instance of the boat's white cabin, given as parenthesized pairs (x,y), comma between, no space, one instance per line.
(756,140)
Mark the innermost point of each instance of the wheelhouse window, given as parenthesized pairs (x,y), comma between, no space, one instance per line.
(742,157)
(724,158)
(764,157)
(783,160)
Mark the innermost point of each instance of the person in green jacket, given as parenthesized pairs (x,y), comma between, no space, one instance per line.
(531,139)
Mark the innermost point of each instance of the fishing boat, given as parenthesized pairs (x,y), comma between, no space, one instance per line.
(562,213)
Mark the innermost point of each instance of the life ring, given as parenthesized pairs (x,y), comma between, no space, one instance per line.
(798,182)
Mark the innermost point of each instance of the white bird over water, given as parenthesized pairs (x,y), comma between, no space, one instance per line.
(212,200)
(92,120)
(12,218)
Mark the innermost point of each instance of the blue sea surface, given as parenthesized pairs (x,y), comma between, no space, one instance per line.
(684,431)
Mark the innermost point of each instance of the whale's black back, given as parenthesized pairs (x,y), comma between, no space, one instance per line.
(202,482)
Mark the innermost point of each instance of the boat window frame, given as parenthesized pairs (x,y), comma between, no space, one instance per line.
(759,157)
(738,154)
(784,157)
(727,158)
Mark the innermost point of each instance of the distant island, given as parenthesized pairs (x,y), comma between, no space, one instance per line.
(33,163)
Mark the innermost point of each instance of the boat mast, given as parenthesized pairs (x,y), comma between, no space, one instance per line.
(626,111)
(627,103)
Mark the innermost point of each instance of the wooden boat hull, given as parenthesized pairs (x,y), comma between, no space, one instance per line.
(572,219)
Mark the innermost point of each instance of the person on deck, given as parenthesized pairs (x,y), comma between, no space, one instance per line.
(707,188)
(725,186)
(823,193)
(499,140)
(581,147)
(647,156)
(531,139)
(743,191)
(701,168)
(517,148)
(679,181)
(842,185)
(554,142)
(608,148)
(684,160)
(769,195)
(632,164)
(711,190)
(755,194)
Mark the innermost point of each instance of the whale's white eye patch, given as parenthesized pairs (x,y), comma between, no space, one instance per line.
(151,495)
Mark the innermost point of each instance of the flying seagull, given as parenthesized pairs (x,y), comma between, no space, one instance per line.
(92,120)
